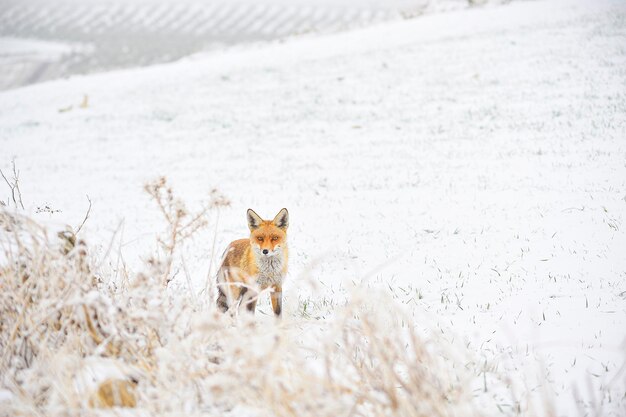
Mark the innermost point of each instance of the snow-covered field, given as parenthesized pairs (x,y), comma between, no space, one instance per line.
(472,164)
(102,35)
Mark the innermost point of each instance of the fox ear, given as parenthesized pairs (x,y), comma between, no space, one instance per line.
(254,220)
(282,219)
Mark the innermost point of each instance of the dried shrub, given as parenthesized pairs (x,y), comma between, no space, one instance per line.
(71,344)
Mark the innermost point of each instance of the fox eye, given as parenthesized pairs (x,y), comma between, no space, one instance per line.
(274,238)
(260,239)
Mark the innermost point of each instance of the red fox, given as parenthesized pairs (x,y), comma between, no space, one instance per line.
(254,264)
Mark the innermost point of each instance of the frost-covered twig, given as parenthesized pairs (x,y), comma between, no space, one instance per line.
(86,217)
(16,194)
(180,224)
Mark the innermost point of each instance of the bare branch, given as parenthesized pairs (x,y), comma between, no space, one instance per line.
(16,194)
(86,216)
(181,224)
(11,186)
(16,182)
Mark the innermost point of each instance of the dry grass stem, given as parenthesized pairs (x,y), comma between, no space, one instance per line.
(71,344)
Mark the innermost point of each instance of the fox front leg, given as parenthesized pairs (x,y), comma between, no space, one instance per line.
(248,299)
(277,301)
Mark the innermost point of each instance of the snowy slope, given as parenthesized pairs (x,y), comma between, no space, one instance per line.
(472,163)
(112,34)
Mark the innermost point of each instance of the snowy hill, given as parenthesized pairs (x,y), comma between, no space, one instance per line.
(43,40)
(470,163)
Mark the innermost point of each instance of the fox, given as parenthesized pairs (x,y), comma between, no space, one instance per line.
(254,264)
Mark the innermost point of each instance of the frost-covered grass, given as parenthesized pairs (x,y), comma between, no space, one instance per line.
(74,339)
(468,167)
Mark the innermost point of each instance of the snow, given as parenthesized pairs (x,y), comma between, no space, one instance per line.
(45,49)
(24,59)
(471,163)
(115,34)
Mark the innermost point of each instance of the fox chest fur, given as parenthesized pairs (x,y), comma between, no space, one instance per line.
(271,270)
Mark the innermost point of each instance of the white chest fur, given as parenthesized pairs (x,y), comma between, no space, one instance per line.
(270,270)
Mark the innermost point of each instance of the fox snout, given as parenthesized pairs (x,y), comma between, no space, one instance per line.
(269,251)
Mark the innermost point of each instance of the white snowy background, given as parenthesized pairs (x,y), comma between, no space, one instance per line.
(42,40)
(472,163)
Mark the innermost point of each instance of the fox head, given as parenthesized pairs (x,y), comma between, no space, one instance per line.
(268,237)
